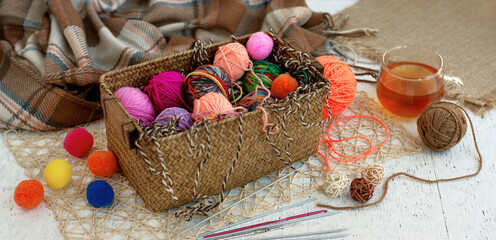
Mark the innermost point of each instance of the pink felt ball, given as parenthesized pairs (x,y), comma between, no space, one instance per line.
(78,142)
(137,104)
(259,46)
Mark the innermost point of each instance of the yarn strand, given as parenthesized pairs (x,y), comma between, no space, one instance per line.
(352,158)
(386,185)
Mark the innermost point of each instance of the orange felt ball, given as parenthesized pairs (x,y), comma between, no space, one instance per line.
(102,163)
(283,85)
(29,194)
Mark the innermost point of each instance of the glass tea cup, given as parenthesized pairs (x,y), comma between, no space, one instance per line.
(410,79)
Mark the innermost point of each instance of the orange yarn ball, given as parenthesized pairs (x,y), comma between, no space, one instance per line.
(102,163)
(283,85)
(234,59)
(29,194)
(343,85)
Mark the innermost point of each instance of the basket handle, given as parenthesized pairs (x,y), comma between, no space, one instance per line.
(118,120)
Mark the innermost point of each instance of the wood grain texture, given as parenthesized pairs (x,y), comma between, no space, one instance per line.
(463,209)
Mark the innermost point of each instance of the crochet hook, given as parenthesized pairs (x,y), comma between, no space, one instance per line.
(266,225)
(311,200)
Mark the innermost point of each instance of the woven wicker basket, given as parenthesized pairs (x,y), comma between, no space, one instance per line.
(260,154)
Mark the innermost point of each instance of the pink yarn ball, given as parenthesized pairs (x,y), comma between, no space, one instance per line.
(259,46)
(164,90)
(233,58)
(137,104)
(343,85)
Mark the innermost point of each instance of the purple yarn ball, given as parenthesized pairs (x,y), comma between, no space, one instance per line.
(137,104)
(164,90)
(259,46)
(165,117)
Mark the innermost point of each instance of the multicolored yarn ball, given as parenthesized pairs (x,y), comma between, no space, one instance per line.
(102,163)
(57,174)
(78,142)
(206,79)
(253,99)
(259,46)
(166,116)
(335,183)
(343,85)
(137,104)
(283,85)
(99,194)
(361,190)
(233,58)
(267,72)
(374,174)
(441,126)
(164,90)
(29,194)
(213,107)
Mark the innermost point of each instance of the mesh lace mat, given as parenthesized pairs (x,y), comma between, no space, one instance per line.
(129,218)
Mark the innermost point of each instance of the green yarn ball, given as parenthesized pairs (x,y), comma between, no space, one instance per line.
(266,71)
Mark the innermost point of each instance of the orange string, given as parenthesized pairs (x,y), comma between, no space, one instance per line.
(351,158)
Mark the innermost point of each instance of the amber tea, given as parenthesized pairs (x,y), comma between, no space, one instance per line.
(406,88)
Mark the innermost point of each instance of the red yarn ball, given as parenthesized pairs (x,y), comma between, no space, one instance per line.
(102,163)
(283,85)
(29,194)
(78,142)
(343,85)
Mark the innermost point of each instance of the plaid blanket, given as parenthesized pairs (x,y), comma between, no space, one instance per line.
(53,52)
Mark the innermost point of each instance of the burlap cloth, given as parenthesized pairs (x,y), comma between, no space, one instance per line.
(463,32)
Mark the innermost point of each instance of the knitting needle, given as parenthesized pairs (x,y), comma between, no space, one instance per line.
(232,205)
(261,216)
(300,235)
(270,224)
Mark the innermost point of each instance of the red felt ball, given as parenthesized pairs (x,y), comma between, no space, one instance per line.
(102,163)
(283,85)
(29,194)
(78,142)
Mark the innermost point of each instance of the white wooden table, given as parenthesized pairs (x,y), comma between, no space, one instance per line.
(463,209)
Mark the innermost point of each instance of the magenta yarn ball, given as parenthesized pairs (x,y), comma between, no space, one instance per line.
(259,46)
(165,117)
(164,90)
(137,104)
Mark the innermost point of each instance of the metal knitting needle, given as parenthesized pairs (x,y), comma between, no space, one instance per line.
(261,216)
(267,226)
(299,235)
(232,205)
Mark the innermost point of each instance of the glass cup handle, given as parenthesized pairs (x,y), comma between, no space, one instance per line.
(458,82)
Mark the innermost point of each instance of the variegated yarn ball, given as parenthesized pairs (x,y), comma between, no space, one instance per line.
(374,174)
(335,183)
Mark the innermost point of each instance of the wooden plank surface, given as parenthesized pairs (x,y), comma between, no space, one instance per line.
(463,209)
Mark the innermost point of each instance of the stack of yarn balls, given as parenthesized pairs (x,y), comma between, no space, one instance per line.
(208,91)
(58,173)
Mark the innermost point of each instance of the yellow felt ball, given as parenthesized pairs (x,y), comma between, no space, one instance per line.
(58,173)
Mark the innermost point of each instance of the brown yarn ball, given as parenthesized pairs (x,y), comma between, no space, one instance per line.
(361,190)
(441,126)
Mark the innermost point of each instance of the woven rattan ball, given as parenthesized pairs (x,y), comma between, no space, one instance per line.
(374,174)
(361,190)
(335,184)
(441,126)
